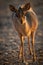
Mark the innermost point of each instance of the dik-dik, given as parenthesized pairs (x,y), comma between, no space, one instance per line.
(25,26)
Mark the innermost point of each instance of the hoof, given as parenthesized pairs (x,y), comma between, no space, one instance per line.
(34,59)
(22,61)
(30,53)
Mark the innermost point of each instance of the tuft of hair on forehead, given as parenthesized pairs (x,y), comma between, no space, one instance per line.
(12,8)
(20,9)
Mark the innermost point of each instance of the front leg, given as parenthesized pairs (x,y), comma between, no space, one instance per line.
(33,49)
(21,53)
(30,50)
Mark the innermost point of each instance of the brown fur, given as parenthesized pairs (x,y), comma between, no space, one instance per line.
(25,28)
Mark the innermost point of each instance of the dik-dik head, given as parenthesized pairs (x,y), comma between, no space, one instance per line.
(21,9)
(20,13)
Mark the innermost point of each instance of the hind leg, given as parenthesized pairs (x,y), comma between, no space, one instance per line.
(33,49)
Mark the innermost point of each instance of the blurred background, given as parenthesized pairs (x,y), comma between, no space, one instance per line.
(9,39)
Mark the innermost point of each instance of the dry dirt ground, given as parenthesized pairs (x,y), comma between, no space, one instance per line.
(9,39)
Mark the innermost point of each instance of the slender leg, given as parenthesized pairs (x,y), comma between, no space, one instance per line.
(30,50)
(21,54)
(33,49)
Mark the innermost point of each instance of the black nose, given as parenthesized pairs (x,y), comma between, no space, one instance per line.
(21,21)
(16,15)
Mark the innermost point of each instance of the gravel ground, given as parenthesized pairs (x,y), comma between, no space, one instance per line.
(9,39)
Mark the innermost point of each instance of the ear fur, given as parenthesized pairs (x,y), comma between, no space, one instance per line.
(12,8)
(26,7)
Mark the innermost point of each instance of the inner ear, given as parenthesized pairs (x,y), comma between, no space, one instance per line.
(26,7)
(12,8)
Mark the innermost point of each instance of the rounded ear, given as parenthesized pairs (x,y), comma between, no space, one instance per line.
(26,7)
(12,8)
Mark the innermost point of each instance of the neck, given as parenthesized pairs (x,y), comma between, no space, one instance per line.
(31,10)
